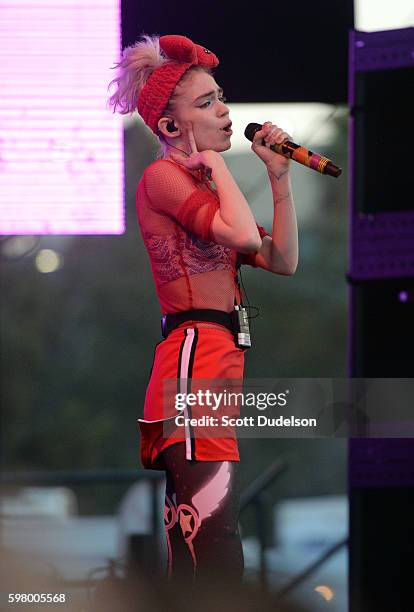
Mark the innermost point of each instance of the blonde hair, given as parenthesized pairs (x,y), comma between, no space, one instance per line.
(134,69)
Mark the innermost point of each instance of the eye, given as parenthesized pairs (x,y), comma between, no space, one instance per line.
(207,104)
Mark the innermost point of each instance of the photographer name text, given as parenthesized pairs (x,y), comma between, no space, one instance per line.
(248,421)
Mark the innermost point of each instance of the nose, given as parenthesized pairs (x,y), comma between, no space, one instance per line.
(223,108)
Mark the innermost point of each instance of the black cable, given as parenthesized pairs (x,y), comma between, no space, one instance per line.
(249,307)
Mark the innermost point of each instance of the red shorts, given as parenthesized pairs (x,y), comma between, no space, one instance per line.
(190,353)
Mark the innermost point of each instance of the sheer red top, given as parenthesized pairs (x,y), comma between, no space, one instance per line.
(175,209)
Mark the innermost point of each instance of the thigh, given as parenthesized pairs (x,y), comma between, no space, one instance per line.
(206,496)
(210,485)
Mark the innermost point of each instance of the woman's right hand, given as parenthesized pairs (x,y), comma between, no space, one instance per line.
(204,160)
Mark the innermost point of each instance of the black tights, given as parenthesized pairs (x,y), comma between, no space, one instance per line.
(201,520)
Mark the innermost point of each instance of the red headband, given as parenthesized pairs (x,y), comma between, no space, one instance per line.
(159,87)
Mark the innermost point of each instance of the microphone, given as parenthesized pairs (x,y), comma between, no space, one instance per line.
(297,153)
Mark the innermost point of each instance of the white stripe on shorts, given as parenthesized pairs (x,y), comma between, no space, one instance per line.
(185,361)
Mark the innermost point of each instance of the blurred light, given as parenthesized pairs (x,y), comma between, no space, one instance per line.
(16,246)
(372,15)
(326,592)
(406,296)
(48,261)
(61,160)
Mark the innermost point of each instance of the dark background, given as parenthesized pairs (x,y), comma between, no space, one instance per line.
(269,51)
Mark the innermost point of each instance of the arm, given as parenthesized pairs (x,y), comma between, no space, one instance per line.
(233,224)
(278,253)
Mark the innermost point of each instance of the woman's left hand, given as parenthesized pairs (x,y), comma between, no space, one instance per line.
(272,134)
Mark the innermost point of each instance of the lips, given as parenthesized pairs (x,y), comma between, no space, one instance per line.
(227,127)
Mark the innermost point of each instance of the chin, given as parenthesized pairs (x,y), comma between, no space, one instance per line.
(216,146)
(223,147)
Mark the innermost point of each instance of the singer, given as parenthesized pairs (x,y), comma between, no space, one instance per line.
(198,230)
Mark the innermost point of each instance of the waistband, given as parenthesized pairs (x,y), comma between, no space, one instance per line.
(173,320)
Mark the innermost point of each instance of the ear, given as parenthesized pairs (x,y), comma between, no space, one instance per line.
(166,122)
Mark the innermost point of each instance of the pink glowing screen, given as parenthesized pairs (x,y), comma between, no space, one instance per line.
(61,149)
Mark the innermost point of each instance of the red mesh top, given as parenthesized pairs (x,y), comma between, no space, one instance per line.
(175,209)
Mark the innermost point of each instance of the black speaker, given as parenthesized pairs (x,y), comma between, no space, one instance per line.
(381,246)
(381,535)
(381,330)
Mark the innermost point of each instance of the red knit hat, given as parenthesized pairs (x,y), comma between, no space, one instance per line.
(159,87)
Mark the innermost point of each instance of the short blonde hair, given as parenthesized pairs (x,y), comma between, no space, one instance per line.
(133,70)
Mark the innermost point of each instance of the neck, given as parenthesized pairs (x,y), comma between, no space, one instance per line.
(176,150)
